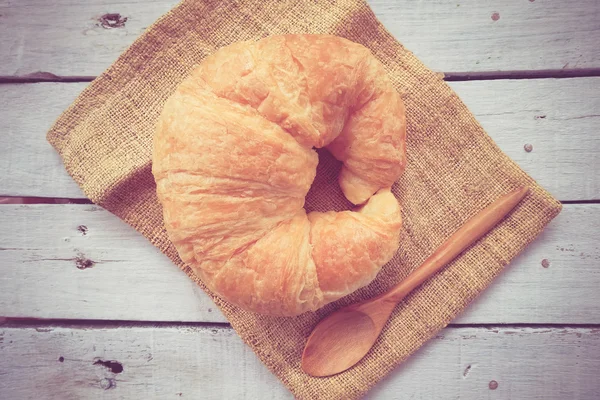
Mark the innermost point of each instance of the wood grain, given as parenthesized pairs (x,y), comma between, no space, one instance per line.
(69,37)
(44,272)
(30,166)
(549,114)
(557,117)
(213,363)
(479,36)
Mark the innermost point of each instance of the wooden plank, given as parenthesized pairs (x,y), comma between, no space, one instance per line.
(44,272)
(157,363)
(547,113)
(213,363)
(91,265)
(557,117)
(31,167)
(71,38)
(481,36)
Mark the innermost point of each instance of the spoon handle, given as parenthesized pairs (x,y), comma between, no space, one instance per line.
(469,233)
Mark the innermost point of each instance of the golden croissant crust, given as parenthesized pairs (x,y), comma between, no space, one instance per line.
(233,159)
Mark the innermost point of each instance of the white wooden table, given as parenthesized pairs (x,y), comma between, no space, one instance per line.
(91,310)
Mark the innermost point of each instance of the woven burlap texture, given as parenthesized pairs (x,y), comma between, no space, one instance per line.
(454,170)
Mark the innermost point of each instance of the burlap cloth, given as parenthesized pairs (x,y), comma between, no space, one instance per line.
(454,169)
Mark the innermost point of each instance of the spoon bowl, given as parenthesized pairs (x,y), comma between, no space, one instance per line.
(343,338)
(353,329)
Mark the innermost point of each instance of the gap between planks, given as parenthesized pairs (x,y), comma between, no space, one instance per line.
(42,200)
(39,77)
(62,200)
(112,324)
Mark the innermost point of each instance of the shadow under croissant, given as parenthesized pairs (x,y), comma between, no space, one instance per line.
(325,193)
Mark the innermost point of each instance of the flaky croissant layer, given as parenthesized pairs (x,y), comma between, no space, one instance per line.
(233,160)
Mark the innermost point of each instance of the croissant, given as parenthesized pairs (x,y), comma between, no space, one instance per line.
(233,159)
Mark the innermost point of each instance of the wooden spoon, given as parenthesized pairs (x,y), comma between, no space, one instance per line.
(343,338)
